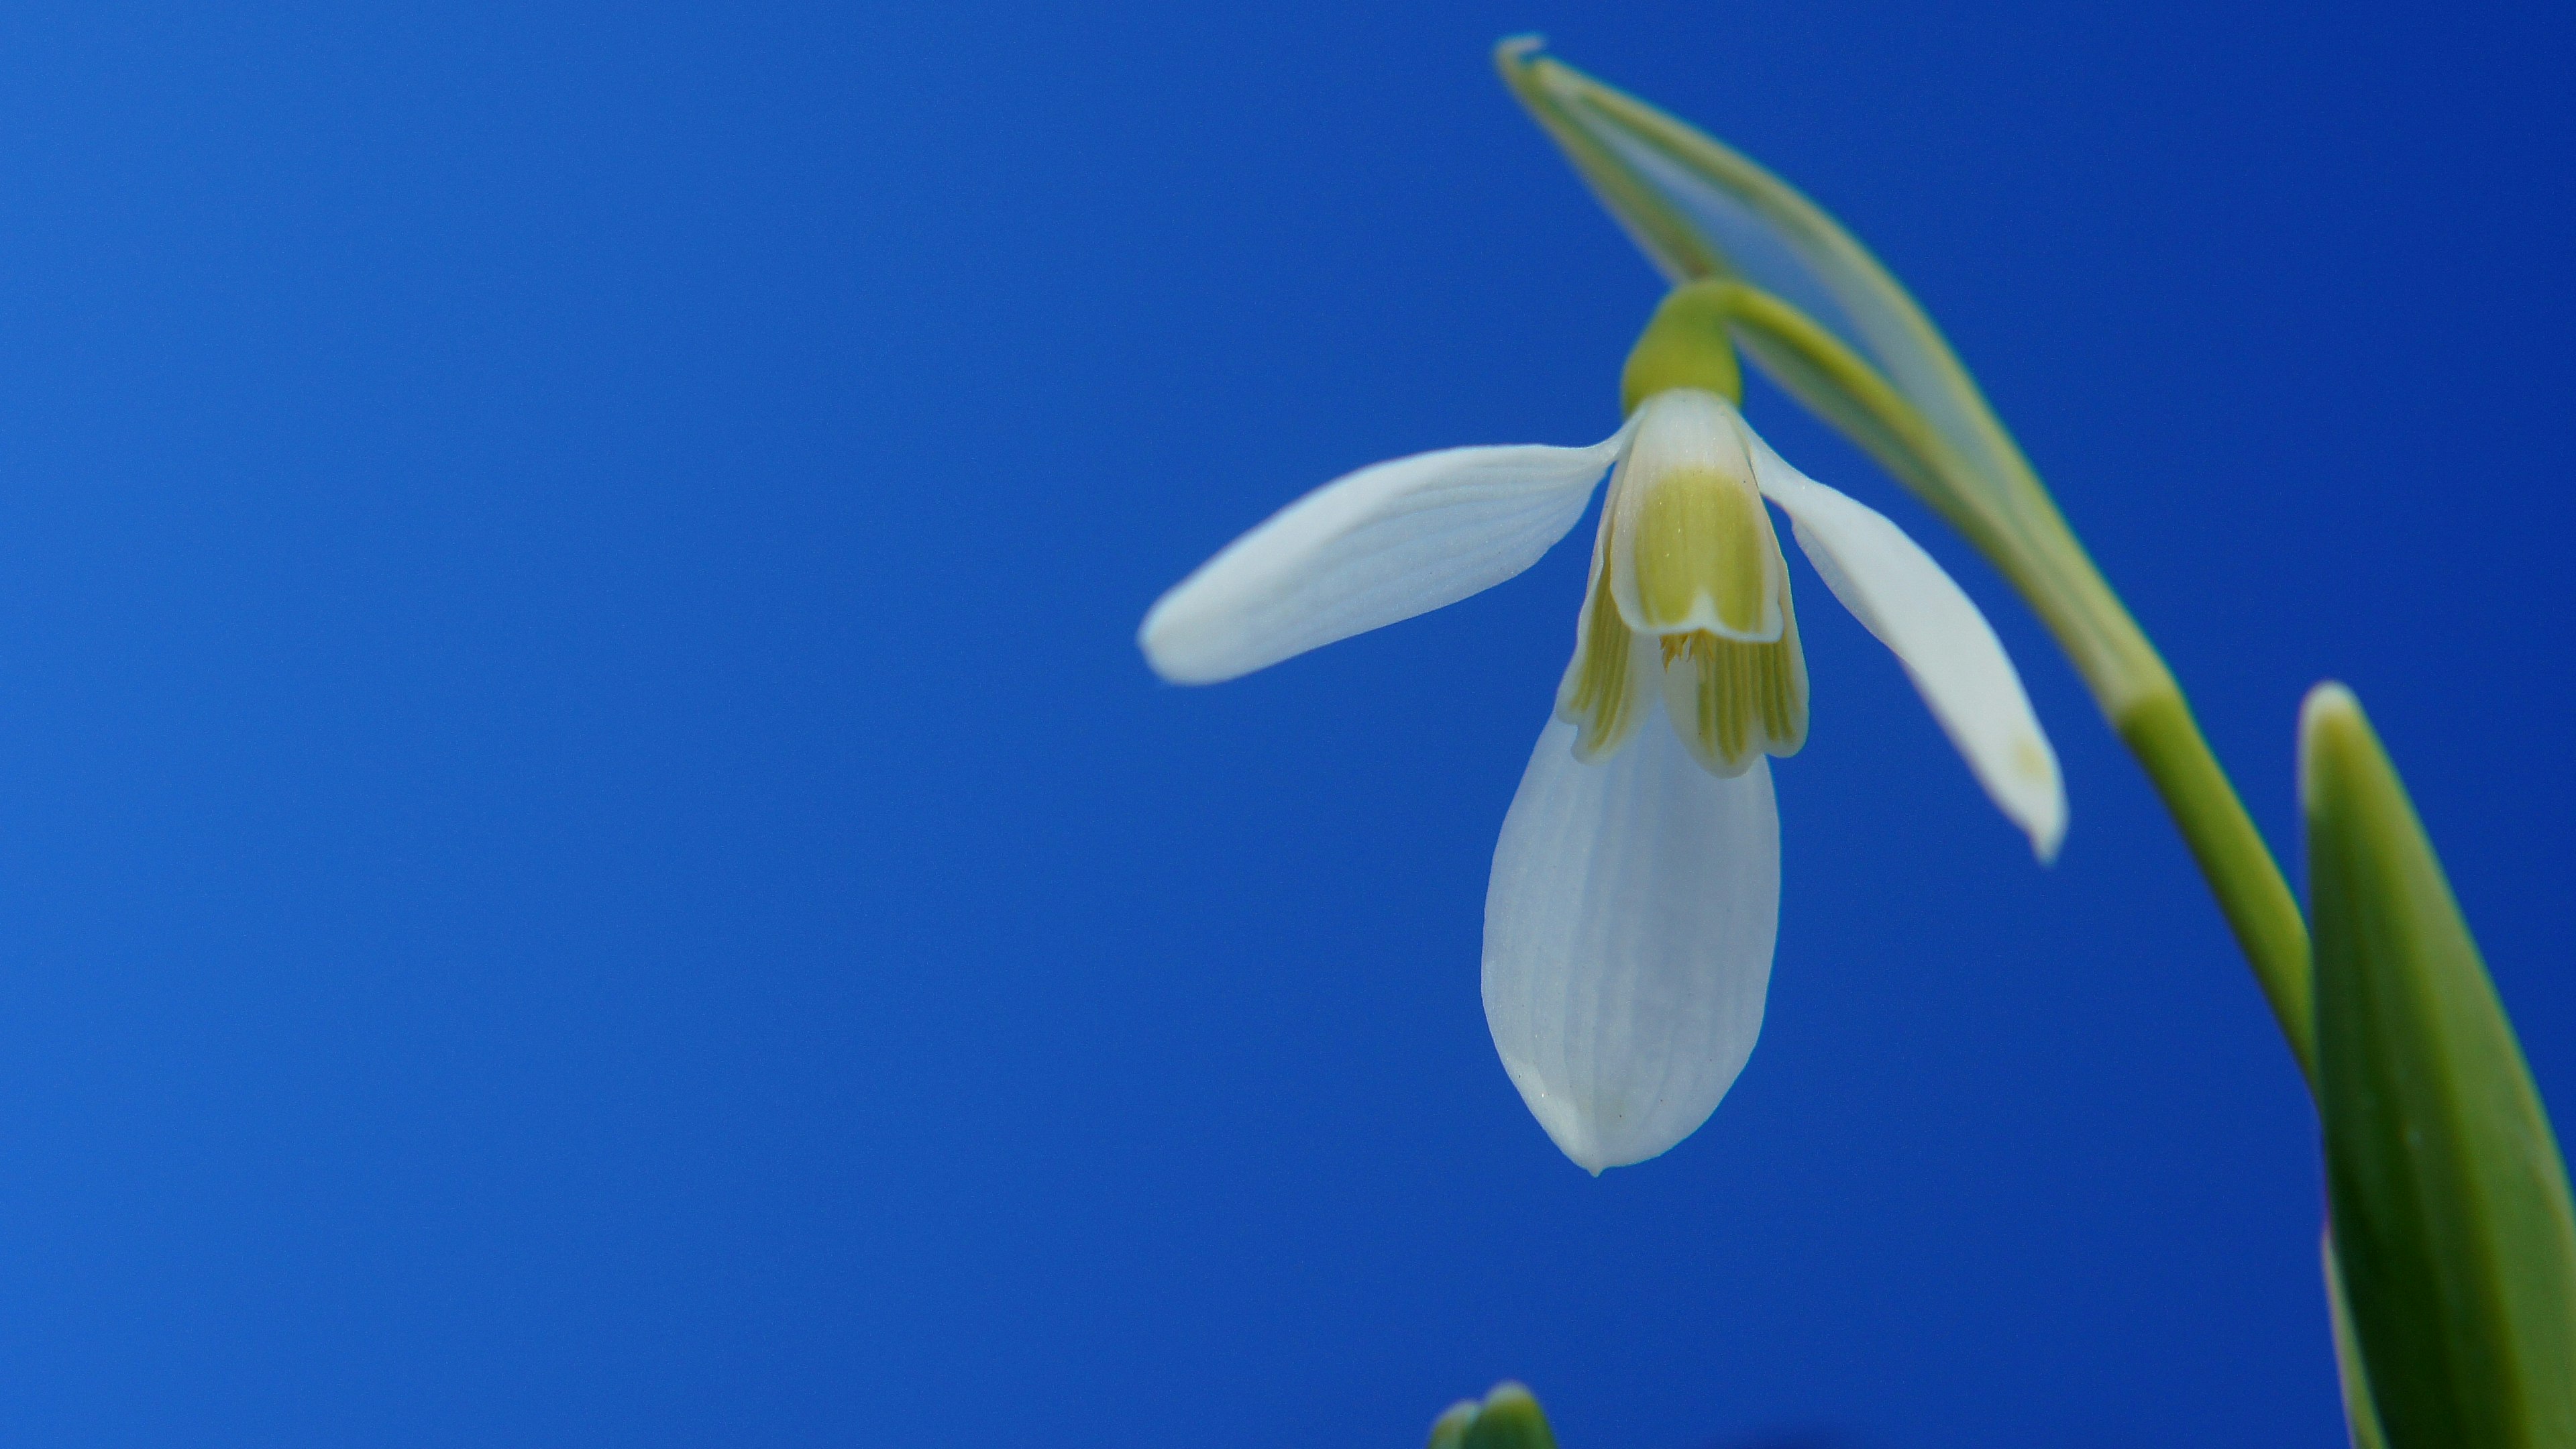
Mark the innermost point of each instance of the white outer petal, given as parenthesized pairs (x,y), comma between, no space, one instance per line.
(1949,650)
(1628,935)
(1369,549)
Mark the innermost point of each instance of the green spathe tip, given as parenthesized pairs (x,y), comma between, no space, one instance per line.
(1841,335)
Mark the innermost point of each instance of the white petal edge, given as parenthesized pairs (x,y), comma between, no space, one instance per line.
(1628,934)
(1948,649)
(1369,549)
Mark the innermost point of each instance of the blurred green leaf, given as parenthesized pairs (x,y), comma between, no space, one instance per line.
(2358,1414)
(1509,1418)
(1449,1431)
(2449,1199)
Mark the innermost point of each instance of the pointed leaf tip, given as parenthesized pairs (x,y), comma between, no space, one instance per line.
(2329,709)
(2452,1222)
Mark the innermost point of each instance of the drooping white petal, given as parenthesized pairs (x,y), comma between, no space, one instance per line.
(1628,934)
(1949,650)
(1369,549)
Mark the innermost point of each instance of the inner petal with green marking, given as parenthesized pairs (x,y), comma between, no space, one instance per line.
(1734,702)
(1609,685)
(1704,555)
(1688,562)
(1691,546)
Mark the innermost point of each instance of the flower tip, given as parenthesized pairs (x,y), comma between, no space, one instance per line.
(1581,1146)
(1176,650)
(2046,838)
(1566,1125)
(2031,791)
(1580,1138)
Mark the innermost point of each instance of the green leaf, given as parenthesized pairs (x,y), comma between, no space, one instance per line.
(2449,1199)
(1509,1418)
(2358,1414)
(1449,1431)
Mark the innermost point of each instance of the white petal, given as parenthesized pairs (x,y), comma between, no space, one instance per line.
(1949,650)
(1628,934)
(1368,549)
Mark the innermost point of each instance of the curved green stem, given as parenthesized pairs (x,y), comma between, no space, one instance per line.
(2239,867)
(2038,553)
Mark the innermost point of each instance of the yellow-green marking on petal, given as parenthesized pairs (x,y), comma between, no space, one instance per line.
(1733,702)
(1691,546)
(1703,551)
(1603,694)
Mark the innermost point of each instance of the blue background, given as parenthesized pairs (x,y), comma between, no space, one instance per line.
(586,857)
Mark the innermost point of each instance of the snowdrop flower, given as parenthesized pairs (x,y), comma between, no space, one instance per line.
(1635,893)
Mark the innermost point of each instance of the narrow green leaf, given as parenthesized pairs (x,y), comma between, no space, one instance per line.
(2449,1199)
